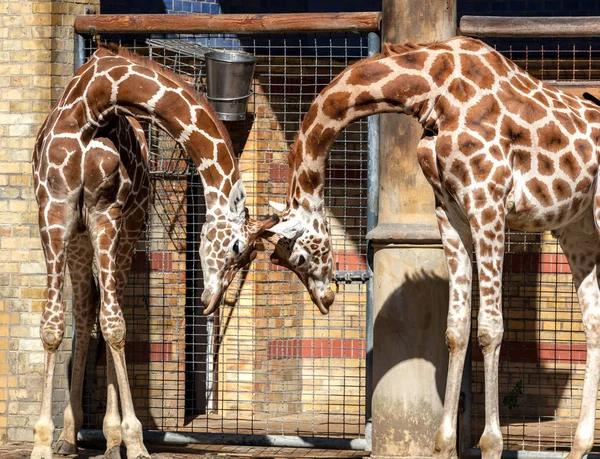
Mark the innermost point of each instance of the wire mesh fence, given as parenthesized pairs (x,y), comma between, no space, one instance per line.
(543,356)
(267,363)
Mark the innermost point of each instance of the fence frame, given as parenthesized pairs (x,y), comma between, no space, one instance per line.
(90,24)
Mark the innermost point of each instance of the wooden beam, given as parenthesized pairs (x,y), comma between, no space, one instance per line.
(502,26)
(228,23)
(576,88)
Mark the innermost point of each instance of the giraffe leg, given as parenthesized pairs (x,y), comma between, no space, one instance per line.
(488,227)
(54,236)
(580,242)
(80,254)
(111,426)
(106,229)
(456,239)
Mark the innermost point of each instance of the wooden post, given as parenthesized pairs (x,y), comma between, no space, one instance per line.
(410,358)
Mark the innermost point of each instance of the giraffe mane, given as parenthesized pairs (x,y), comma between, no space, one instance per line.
(116,50)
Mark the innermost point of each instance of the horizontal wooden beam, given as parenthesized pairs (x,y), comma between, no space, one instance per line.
(502,26)
(227,23)
(577,87)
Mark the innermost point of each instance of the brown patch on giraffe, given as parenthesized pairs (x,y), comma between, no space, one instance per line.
(480,198)
(517,134)
(137,89)
(116,73)
(541,98)
(460,171)
(414,60)
(520,105)
(225,160)
(318,140)
(580,124)
(306,204)
(442,68)
(469,44)
(443,146)
(476,71)
(309,117)
(485,249)
(496,153)
(335,105)
(561,189)
(452,265)
(200,143)
(481,167)
(540,191)
(583,185)
(592,116)
(448,114)
(365,101)
(403,87)
(569,165)
(551,137)
(368,73)
(461,89)
(545,165)
(483,116)
(501,175)
(573,101)
(468,144)
(565,121)
(559,104)
(525,83)
(310,181)
(497,62)
(488,215)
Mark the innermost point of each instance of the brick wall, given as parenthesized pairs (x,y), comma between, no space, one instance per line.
(36,52)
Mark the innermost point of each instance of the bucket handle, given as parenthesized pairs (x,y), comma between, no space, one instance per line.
(228,99)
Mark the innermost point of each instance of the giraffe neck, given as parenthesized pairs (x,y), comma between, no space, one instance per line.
(119,83)
(376,85)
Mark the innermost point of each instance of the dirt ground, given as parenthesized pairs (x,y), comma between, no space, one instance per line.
(23,450)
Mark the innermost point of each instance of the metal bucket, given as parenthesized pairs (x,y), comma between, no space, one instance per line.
(228,78)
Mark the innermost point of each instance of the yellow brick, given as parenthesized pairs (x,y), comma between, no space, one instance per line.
(42,43)
(42,7)
(33,293)
(38,19)
(20,81)
(19,33)
(20,107)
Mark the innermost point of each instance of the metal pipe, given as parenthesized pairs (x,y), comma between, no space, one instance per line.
(374,46)
(153,436)
(79,52)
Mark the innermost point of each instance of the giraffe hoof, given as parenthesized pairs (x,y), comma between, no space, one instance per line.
(114,453)
(64,448)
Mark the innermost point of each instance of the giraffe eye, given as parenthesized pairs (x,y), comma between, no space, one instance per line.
(236,247)
(301,260)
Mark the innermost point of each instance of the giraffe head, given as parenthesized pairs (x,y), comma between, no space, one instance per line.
(302,244)
(228,243)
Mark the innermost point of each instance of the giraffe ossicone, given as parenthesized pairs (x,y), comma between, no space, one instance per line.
(500,149)
(91,185)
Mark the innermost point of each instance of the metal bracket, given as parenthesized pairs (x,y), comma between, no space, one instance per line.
(349,277)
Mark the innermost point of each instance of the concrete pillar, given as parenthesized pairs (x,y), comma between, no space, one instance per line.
(410,358)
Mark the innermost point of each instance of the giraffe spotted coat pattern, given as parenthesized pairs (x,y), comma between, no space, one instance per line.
(500,149)
(81,184)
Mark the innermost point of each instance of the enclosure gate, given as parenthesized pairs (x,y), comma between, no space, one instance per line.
(267,368)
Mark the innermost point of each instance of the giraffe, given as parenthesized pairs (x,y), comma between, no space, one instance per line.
(116,178)
(501,150)
(71,166)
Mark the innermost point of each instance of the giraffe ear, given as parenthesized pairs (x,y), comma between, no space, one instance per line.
(237,199)
(289,229)
(279,207)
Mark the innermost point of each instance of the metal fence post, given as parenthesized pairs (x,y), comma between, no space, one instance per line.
(374,45)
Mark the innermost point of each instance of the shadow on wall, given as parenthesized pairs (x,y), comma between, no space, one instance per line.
(403,331)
